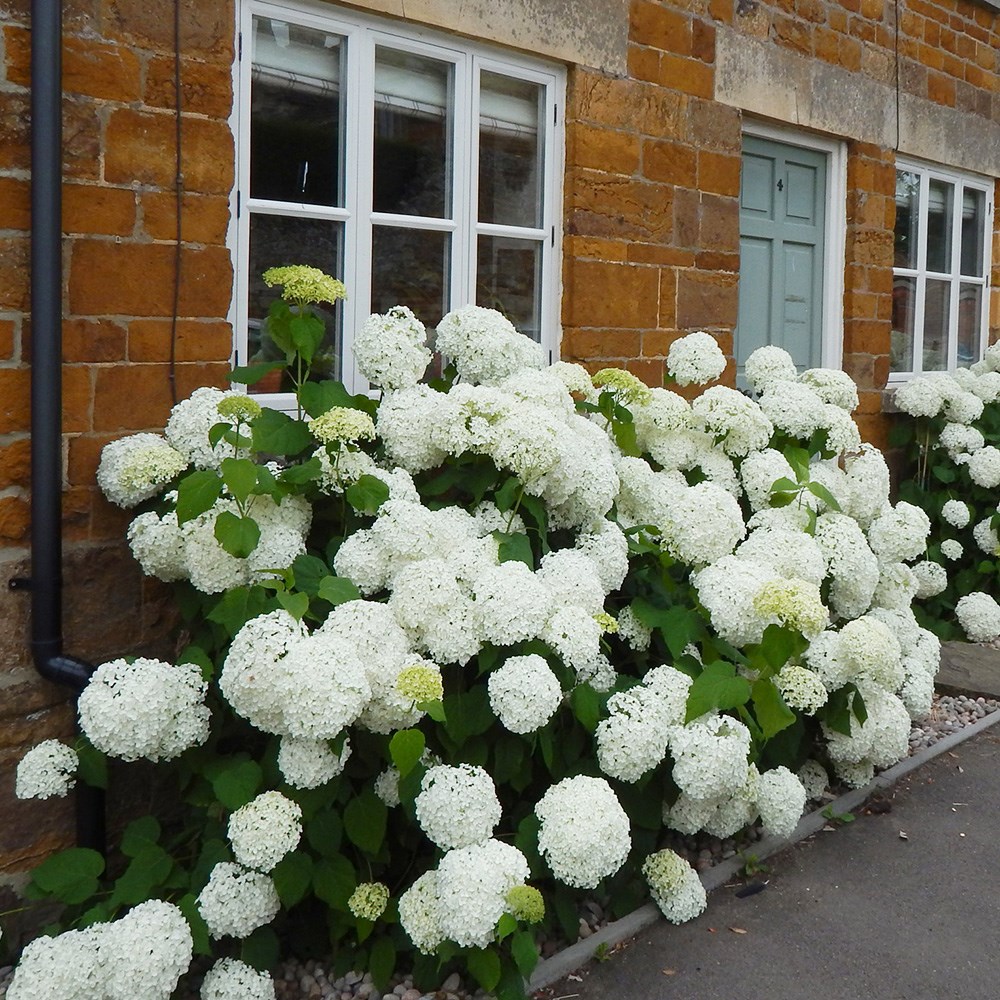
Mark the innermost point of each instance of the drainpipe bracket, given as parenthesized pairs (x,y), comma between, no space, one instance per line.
(19,583)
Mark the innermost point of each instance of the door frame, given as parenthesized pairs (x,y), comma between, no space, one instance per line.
(835,237)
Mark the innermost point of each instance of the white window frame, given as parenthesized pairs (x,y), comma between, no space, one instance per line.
(362,33)
(832,337)
(961,180)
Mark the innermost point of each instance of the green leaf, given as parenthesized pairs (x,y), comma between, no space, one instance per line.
(196,493)
(514,547)
(93,769)
(506,926)
(295,604)
(334,880)
(468,713)
(235,781)
(779,644)
(292,877)
(252,374)
(236,607)
(784,484)
(484,964)
(337,590)
(406,748)
(309,571)
(858,707)
(148,870)
(367,494)
(506,496)
(525,955)
(139,834)
(71,875)
(237,535)
(240,476)
(717,686)
(772,713)
(365,820)
(275,433)
(586,704)
(819,490)
(678,625)
(798,459)
(261,949)
(782,499)
(299,475)
(382,962)
(625,437)
(435,709)
(188,905)
(324,833)
(318,397)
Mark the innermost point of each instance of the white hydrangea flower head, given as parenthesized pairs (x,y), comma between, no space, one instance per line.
(853,567)
(663,415)
(769,365)
(584,833)
(794,408)
(191,420)
(866,488)
(632,631)
(419,913)
(956,513)
(788,551)
(984,467)
(952,549)
(814,779)
(363,561)
(632,740)
(842,433)
(716,466)
(524,693)
(963,407)
(960,439)
(387,786)
(137,467)
(575,636)
(146,708)
(145,952)
(710,756)
(310,763)
(719,816)
(46,770)
(605,544)
(574,377)
(571,579)
(897,586)
(801,688)
(472,887)
(758,473)
(695,359)
(871,647)
(484,346)
(781,799)
(457,805)
(705,524)
(880,742)
(832,386)
(264,830)
(899,534)
(854,775)
(932,578)
(920,397)
(231,979)
(674,886)
(985,536)
(629,388)
(986,385)
(793,602)
(158,545)
(236,901)
(64,966)
(979,616)
(369,900)
(689,815)
(727,589)
(734,418)
(407,425)
(827,656)
(391,350)
(209,567)
(512,603)
(542,387)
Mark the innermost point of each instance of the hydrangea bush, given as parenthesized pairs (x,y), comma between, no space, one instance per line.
(952,449)
(456,657)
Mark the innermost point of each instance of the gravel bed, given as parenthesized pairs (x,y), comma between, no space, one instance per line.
(309,980)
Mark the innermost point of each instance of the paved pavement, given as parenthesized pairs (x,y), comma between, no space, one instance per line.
(902,904)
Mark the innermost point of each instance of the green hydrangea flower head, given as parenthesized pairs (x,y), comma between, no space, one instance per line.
(369,900)
(526,903)
(239,408)
(342,423)
(420,683)
(301,284)
(631,387)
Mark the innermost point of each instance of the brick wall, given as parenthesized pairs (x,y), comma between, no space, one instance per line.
(118,256)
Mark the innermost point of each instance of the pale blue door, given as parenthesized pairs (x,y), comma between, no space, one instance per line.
(782,237)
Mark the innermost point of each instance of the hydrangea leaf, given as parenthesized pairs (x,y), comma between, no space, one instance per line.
(275,433)
(71,875)
(237,606)
(773,715)
(235,781)
(367,494)
(522,948)
(334,880)
(196,493)
(406,748)
(586,704)
(240,476)
(188,905)
(506,496)
(309,571)
(237,535)
(365,820)
(678,625)
(716,687)
(261,949)
(820,491)
(779,645)
(484,964)
(514,546)
(316,398)
(307,333)
(337,590)
(298,475)
(252,374)
(382,962)
(139,834)
(295,604)
(292,877)
(324,832)
(93,768)
(149,869)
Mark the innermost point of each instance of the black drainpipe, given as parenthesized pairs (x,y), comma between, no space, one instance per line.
(46,386)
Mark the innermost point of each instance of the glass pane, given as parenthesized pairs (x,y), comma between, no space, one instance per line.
(295,114)
(276,241)
(412,134)
(907,218)
(510,166)
(937,303)
(410,268)
(904,293)
(508,279)
(940,206)
(970,322)
(973,216)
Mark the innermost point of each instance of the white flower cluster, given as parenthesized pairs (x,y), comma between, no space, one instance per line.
(781,799)
(674,886)
(956,513)
(135,468)
(143,954)
(191,420)
(264,830)
(231,979)
(457,806)
(979,616)
(46,770)
(695,359)
(146,708)
(524,693)
(390,349)
(236,901)
(484,346)
(308,763)
(584,833)
(879,742)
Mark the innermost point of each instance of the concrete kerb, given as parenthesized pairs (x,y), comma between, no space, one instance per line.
(579,954)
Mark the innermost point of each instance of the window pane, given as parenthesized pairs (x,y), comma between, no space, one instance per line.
(970,322)
(904,293)
(508,279)
(412,134)
(509,151)
(410,268)
(973,216)
(907,218)
(276,241)
(940,202)
(295,114)
(937,308)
